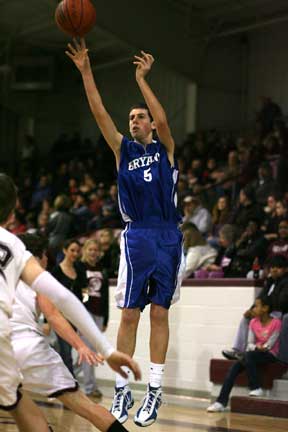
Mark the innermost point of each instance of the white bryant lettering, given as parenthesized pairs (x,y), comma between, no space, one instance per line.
(143,161)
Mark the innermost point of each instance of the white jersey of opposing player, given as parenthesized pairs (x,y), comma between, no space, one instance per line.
(13,257)
(25,310)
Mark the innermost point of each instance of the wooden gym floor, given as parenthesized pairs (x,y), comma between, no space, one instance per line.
(171,418)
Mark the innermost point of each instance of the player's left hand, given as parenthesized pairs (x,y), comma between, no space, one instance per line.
(143,63)
(89,356)
(118,359)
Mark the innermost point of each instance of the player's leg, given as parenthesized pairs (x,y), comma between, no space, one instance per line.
(135,262)
(159,338)
(126,342)
(26,414)
(159,333)
(126,337)
(164,288)
(29,417)
(99,416)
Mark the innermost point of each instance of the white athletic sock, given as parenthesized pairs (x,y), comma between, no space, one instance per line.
(156,374)
(120,381)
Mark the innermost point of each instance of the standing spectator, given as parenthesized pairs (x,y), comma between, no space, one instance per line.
(97,304)
(71,275)
(262,348)
(61,225)
(195,213)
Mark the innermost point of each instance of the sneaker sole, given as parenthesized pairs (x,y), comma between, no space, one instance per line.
(148,423)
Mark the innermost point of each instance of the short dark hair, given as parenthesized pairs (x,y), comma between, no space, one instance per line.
(34,243)
(141,105)
(8,197)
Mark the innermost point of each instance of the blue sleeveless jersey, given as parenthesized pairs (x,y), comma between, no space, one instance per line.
(147,184)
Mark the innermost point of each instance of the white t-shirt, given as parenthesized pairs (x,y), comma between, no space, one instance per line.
(13,257)
(25,310)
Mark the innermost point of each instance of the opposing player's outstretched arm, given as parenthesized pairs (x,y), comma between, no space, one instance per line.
(144,64)
(78,53)
(62,327)
(44,283)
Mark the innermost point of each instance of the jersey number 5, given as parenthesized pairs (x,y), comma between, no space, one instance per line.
(148,175)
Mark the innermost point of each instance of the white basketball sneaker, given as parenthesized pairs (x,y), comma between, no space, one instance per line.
(122,402)
(147,413)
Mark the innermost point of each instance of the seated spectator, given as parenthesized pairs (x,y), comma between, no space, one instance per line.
(88,185)
(232,169)
(280,246)
(73,188)
(111,214)
(42,222)
(110,251)
(276,212)
(195,213)
(42,191)
(220,267)
(81,212)
(247,209)
(250,245)
(262,348)
(17,223)
(276,288)
(248,163)
(197,251)
(220,216)
(265,185)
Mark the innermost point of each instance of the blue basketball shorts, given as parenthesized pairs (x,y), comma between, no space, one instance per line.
(151,265)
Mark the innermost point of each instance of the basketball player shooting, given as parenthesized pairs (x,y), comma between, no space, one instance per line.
(151,242)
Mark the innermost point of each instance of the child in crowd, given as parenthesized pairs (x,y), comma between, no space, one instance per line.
(262,348)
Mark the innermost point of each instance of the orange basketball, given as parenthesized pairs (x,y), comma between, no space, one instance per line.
(75,17)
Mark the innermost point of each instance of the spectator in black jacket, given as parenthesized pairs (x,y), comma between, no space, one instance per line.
(246,209)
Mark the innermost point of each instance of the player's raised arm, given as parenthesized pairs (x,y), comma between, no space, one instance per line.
(78,53)
(144,64)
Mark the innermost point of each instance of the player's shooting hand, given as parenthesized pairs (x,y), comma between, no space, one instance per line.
(89,356)
(118,359)
(143,63)
(78,53)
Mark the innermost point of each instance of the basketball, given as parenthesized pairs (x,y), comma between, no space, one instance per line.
(75,17)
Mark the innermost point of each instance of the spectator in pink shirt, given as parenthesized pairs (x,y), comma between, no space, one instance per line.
(262,348)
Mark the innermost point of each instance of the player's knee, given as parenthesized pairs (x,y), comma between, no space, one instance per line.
(130,317)
(158,315)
